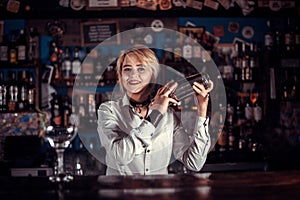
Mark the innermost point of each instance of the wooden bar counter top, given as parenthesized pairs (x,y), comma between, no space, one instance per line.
(224,185)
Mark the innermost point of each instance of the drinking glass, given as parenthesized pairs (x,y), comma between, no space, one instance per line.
(60,138)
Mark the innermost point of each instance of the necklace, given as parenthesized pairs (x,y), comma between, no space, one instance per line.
(139,105)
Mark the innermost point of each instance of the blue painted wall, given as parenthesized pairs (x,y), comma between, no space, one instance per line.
(258,25)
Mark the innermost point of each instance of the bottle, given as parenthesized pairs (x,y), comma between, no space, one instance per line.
(92,109)
(82,111)
(4,53)
(56,118)
(285,87)
(294,88)
(3,93)
(239,112)
(297,37)
(288,38)
(257,109)
(246,72)
(237,60)
(248,108)
(82,107)
(110,75)
(12,93)
(76,63)
(66,111)
(231,139)
(229,110)
(269,36)
(22,47)
(66,65)
(31,94)
(222,132)
(277,39)
(99,70)
(23,92)
(242,139)
(33,45)
(87,69)
(13,50)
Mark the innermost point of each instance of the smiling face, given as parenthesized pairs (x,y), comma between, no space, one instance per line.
(135,75)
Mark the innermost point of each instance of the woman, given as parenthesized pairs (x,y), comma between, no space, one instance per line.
(140,132)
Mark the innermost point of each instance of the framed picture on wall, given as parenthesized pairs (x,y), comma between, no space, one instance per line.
(195,33)
(93,33)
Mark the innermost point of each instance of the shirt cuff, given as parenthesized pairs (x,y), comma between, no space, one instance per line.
(155,117)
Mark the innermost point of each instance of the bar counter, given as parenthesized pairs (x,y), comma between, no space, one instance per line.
(224,185)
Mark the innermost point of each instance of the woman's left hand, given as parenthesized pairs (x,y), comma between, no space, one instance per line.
(202,97)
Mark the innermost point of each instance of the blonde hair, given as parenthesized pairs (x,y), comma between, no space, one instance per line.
(145,54)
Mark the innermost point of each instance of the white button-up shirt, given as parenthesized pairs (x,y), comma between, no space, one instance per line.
(134,146)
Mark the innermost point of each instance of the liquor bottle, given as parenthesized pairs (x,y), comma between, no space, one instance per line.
(285,87)
(4,54)
(231,139)
(297,37)
(288,39)
(177,49)
(56,118)
(31,94)
(82,107)
(278,38)
(294,88)
(76,63)
(53,52)
(242,139)
(22,47)
(269,36)
(12,93)
(23,92)
(110,75)
(167,54)
(13,50)
(239,112)
(246,73)
(257,109)
(237,60)
(91,108)
(3,93)
(33,45)
(66,65)
(99,70)
(222,132)
(229,110)
(87,70)
(248,108)
(66,111)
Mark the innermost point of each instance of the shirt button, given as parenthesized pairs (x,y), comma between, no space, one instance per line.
(147,169)
(148,151)
(144,146)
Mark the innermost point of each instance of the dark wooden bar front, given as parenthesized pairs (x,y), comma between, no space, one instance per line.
(223,185)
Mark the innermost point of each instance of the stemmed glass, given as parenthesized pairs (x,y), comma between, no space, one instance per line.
(60,138)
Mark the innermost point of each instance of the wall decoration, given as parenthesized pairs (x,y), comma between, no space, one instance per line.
(102,4)
(93,33)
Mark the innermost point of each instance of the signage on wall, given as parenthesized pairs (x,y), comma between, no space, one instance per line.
(93,33)
(102,4)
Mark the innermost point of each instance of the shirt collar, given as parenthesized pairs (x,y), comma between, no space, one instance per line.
(125,101)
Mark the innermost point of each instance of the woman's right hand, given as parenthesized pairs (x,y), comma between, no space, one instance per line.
(162,98)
